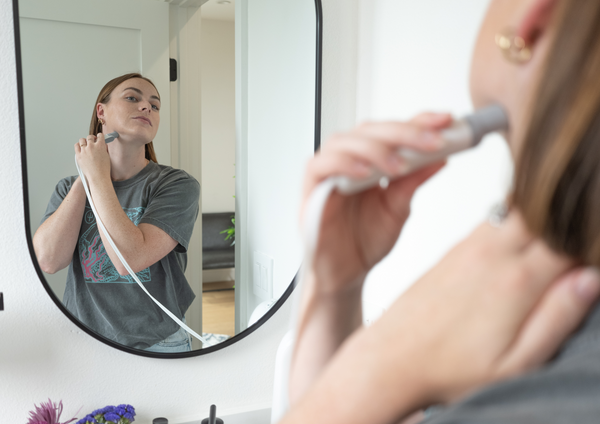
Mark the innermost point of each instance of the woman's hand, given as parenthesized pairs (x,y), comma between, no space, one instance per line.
(357,231)
(498,305)
(92,156)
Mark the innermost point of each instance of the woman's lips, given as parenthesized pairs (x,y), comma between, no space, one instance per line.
(142,118)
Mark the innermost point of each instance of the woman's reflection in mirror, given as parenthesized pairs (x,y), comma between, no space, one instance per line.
(148,209)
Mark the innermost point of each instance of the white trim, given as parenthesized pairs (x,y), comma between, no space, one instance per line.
(186,143)
(218,275)
(242,270)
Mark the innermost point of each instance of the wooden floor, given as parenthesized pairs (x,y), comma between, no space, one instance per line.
(218,308)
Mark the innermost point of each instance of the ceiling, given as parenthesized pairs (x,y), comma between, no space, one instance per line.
(221,12)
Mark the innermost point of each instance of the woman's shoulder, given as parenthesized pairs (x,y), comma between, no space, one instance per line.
(173,174)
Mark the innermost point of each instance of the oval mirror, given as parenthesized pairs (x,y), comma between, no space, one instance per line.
(237,87)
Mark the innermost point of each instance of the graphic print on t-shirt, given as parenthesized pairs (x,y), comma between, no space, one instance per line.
(95,263)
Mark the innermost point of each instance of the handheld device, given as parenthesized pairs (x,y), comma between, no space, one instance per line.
(110,137)
(463,134)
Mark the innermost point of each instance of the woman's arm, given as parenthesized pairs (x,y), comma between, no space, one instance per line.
(142,245)
(357,232)
(55,240)
(499,304)
(326,321)
(434,345)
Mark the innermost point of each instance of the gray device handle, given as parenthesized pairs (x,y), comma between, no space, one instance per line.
(110,137)
(463,134)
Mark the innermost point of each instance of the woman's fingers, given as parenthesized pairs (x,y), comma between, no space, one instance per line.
(374,146)
(399,134)
(432,120)
(559,312)
(381,155)
(324,166)
(84,142)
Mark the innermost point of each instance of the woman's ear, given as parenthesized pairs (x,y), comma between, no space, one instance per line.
(536,20)
(100,111)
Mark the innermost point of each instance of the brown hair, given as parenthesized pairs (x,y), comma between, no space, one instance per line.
(104,97)
(557,183)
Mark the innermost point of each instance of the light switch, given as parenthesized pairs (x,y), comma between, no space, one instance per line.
(263,276)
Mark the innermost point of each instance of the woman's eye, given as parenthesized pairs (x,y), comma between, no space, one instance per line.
(131,98)
(156,108)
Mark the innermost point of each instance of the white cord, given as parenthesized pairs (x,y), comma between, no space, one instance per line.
(126,265)
(313,215)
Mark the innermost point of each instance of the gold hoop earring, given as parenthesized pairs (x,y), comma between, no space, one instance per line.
(101,121)
(513,47)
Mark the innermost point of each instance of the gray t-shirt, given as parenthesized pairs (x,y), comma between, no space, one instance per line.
(113,305)
(565,391)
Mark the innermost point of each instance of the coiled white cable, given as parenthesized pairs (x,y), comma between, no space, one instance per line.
(126,265)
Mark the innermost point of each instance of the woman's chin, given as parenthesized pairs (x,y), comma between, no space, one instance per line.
(134,138)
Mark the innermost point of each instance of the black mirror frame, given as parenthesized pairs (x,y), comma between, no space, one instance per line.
(228,342)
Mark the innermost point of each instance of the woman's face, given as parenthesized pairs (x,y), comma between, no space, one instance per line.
(493,78)
(132,111)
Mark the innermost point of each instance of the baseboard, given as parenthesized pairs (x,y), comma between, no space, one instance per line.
(214,275)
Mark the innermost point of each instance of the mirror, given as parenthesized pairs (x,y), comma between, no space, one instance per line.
(241,117)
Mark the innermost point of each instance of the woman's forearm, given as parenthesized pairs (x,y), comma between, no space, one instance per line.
(326,321)
(126,235)
(140,246)
(363,383)
(55,240)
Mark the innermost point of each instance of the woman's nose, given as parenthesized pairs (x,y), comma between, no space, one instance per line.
(145,106)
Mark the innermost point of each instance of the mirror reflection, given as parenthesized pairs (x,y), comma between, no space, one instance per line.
(210,232)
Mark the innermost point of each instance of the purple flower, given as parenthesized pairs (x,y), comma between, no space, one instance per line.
(111,416)
(128,408)
(88,419)
(47,413)
(102,411)
(122,414)
(119,410)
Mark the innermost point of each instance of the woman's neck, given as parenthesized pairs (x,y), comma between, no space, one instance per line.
(126,163)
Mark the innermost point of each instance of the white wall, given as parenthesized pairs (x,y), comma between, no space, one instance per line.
(279,138)
(42,354)
(420,53)
(217,54)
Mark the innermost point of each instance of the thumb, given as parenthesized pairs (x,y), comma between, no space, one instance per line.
(560,311)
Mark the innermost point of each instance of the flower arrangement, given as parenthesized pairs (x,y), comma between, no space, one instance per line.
(122,414)
(47,413)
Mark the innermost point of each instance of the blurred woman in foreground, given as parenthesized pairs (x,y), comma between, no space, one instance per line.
(477,331)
